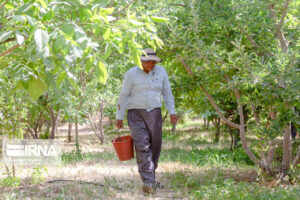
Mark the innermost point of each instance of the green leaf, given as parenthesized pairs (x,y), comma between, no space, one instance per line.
(48,64)
(24,9)
(137,59)
(36,88)
(121,47)
(48,16)
(43,53)
(61,77)
(43,3)
(108,51)
(41,38)
(68,29)
(20,38)
(88,13)
(89,64)
(107,10)
(19,18)
(159,19)
(50,80)
(59,43)
(150,27)
(136,23)
(5,35)
(31,21)
(106,33)
(159,42)
(84,13)
(101,72)
(96,29)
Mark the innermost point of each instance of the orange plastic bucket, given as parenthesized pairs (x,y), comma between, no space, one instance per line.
(124,147)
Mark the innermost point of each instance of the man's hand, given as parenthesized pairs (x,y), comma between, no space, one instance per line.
(173,119)
(119,123)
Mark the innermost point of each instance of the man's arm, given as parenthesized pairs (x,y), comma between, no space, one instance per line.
(123,97)
(168,97)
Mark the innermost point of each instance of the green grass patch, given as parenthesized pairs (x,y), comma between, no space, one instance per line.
(213,186)
(229,189)
(208,156)
(10,181)
(73,157)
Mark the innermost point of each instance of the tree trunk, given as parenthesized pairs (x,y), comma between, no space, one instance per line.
(243,132)
(48,127)
(165,117)
(231,138)
(218,130)
(287,150)
(111,122)
(270,158)
(70,132)
(54,122)
(173,128)
(101,135)
(207,124)
(35,129)
(255,116)
(236,138)
(240,126)
(13,170)
(76,136)
(297,158)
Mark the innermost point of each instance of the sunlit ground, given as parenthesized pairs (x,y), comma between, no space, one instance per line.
(191,167)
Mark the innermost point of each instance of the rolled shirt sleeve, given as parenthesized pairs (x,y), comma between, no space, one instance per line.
(167,94)
(124,96)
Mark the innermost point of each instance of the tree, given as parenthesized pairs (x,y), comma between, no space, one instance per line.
(240,49)
(62,50)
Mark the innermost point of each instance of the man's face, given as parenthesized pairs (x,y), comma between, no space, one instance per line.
(148,65)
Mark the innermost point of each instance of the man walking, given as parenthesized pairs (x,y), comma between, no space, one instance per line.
(141,95)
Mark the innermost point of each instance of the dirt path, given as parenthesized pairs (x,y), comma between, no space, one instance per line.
(107,177)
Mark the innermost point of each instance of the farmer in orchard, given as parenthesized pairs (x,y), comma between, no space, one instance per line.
(141,95)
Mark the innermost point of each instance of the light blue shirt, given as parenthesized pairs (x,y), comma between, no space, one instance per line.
(143,91)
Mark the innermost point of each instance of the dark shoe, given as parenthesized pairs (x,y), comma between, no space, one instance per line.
(148,188)
(158,185)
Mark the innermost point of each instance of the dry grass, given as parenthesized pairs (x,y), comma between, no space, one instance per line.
(119,180)
(114,179)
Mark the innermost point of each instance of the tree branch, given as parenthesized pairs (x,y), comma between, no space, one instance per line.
(249,37)
(271,6)
(255,115)
(2,5)
(253,42)
(9,50)
(116,13)
(177,4)
(242,130)
(12,48)
(283,42)
(297,158)
(211,100)
(8,40)
(190,72)
(287,149)
(218,110)
(271,154)
(286,4)
(243,134)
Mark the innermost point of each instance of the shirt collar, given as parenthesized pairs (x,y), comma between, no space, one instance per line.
(153,70)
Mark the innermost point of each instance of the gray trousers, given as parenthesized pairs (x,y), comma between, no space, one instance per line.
(146,131)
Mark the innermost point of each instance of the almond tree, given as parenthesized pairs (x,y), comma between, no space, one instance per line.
(248,50)
(56,48)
